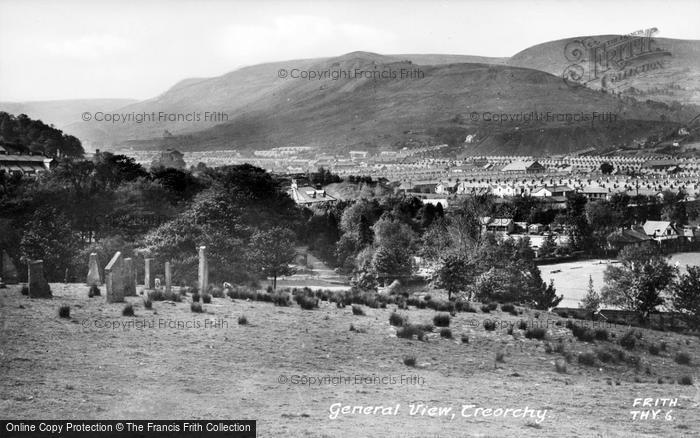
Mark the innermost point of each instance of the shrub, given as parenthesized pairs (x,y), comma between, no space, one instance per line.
(217,292)
(308,303)
(654,349)
(510,329)
(489,325)
(485,308)
(446,333)
(441,320)
(560,366)
(409,361)
(500,356)
(683,358)
(601,334)
(587,358)
(408,331)
(282,299)
(94,291)
(357,310)
(522,325)
(685,380)
(206,298)
(196,307)
(242,320)
(128,310)
(492,306)
(629,340)
(582,333)
(604,356)
(195,297)
(547,348)
(535,333)
(64,311)
(147,304)
(508,308)
(428,297)
(24,290)
(396,320)
(465,339)
(464,306)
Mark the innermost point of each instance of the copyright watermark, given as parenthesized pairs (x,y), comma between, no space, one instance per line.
(141,324)
(349,74)
(155,117)
(353,379)
(542,117)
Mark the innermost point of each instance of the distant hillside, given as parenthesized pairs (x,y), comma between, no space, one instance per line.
(264,107)
(61,113)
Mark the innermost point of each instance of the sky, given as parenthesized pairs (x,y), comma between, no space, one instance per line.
(138,49)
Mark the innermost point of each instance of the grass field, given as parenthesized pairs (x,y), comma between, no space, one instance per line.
(98,364)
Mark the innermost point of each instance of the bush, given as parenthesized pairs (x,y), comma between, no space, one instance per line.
(446,333)
(587,358)
(604,356)
(508,308)
(441,320)
(396,320)
(654,349)
(128,310)
(465,339)
(64,311)
(560,366)
(409,361)
(464,306)
(500,356)
(357,310)
(408,331)
(196,307)
(686,380)
(308,303)
(282,299)
(535,333)
(489,325)
(242,320)
(94,291)
(485,308)
(206,299)
(492,306)
(24,290)
(683,358)
(217,292)
(582,333)
(522,325)
(147,304)
(601,334)
(195,297)
(427,297)
(629,340)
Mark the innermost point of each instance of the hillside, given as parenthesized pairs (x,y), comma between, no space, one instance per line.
(61,113)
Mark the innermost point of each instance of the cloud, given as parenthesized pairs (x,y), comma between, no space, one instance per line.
(88,46)
(293,36)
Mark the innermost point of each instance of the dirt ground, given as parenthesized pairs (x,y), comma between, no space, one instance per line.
(101,365)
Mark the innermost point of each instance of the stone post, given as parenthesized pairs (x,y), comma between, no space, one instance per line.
(93,276)
(147,280)
(38,287)
(129,278)
(203,270)
(168,278)
(114,279)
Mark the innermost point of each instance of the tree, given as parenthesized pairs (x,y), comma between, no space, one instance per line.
(49,238)
(685,296)
(607,168)
(272,251)
(391,262)
(591,301)
(544,296)
(455,274)
(637,283)
(548,247)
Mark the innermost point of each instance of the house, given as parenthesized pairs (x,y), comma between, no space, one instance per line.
(535,229)
(309,196)
(25,164)
(503,190)
(446,187)
(435,202)
(551,191)
(497,225)
(626,237)
(660,230)
(524,167)
(593,193)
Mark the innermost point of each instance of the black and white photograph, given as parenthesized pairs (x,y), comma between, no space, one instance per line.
(382,219)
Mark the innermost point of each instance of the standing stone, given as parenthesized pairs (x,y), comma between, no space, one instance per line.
(114,279)
(129,278)
(168,278)
(147,280)
(203,270)
(93,276)
(9,271)
(38,287)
